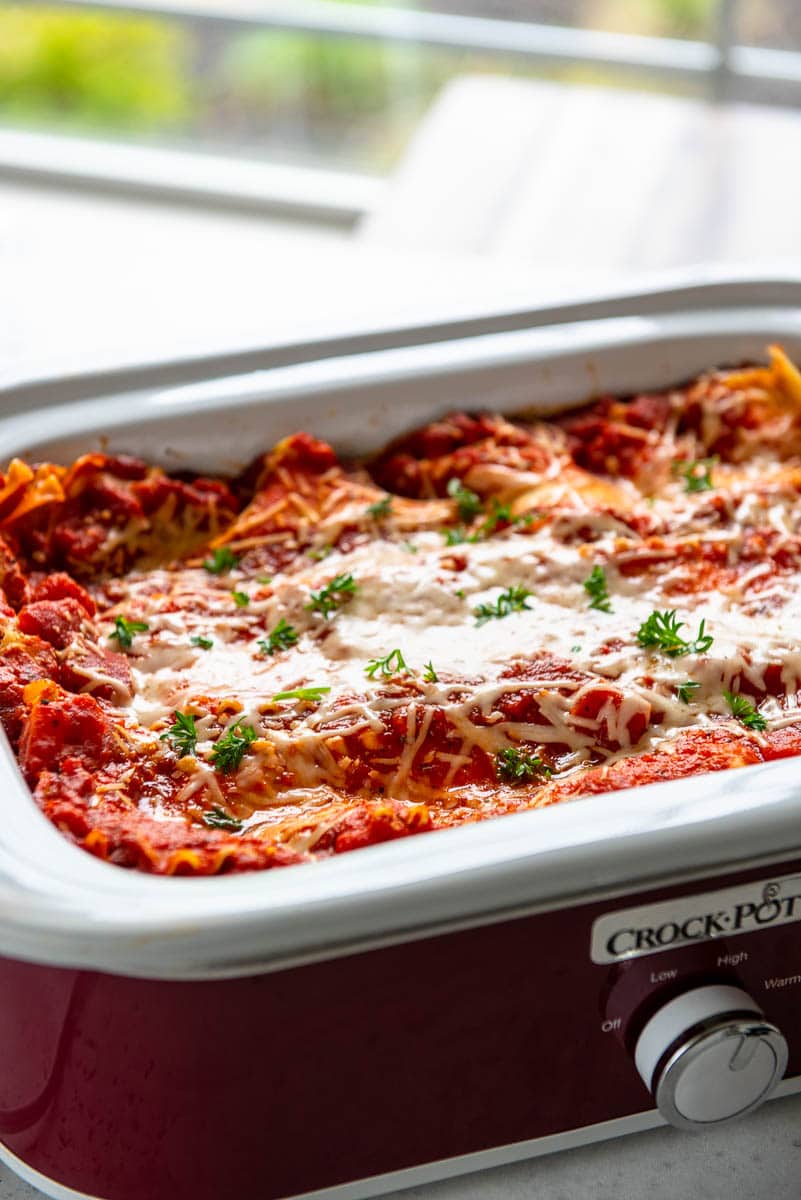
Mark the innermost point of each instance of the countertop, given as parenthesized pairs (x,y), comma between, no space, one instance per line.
(758,1158)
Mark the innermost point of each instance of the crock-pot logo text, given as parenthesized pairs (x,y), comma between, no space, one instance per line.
(728,913)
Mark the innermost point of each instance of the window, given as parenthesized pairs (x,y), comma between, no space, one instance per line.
(320,85)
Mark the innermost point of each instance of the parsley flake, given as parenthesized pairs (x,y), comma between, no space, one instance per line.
(314,694)
(182,735)
(743,711)
(457,536)
(518,766)
(684,691)
(218,818)
(661,630)
(240,599)
(203,642)
(282,637)
(596,588)
(124,631)
(429,674)
(697,475)
(468,503)
(512,600)
(392,664)
(500,514)
(229,750)
(222,559)
(329,598)
(320,553)
(382,508)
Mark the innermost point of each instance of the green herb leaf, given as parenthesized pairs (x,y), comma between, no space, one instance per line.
(335,593)
(744,711)
(661,629)
(218,818)
(382,508)
(468,503)
(314,694)
(684,691)
(320,553)
(596,589)
(512,600)
(222,559)
(499,514)
(697,475)
(182,735)
(203,642)
(264,579)
(429,674)
(518,766)
(229,750)
(410,546)
(282,637)
(240,599)
(124,631)
(457,536)
(392,664)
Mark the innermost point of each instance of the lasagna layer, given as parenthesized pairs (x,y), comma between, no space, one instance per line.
(201,676)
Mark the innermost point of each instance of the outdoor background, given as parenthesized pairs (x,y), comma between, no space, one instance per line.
(292,97)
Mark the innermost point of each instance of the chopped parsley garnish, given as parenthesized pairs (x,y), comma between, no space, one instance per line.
(499,514)
(512,600)
(314,694)
(697,475)
(518,766)
(456,536)
(240,599)
(467,502)
(321,552)
(661,630)
(282,637)
(382,508)
(218,818)
(222,559)
(182,735)
(595,587)
(203,642)
(429,674)
(410,546)
(264,579)
(744,712)
(329,598)
(392,664)
(124,631)
(229,750)
(684,691)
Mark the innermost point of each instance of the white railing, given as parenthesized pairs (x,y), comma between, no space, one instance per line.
(730,71)
(719,68)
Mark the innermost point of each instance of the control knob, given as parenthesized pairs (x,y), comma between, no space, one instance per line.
(709,1055)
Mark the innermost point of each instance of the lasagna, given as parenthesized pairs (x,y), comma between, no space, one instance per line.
(203,675)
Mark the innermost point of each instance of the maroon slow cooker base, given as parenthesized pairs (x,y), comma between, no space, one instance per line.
(320,1075)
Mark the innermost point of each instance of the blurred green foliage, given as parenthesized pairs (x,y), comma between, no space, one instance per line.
(281,92)
(92,69)
(685,18)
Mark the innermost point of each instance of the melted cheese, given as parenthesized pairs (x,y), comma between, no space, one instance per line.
(421,601)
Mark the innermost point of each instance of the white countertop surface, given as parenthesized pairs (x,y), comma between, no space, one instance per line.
(758,1158)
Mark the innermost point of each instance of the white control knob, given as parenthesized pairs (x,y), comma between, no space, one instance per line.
(710,1055)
